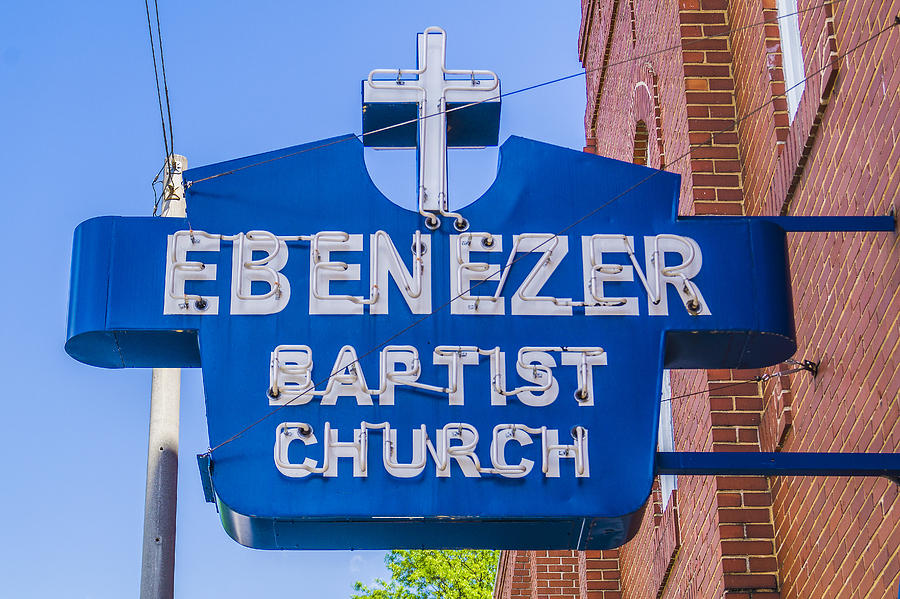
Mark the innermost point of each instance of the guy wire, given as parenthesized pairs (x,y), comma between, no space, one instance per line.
(517,91)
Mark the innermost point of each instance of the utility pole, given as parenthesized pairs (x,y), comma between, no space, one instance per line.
(158,560)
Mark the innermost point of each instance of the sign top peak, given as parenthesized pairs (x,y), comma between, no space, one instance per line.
(431,108)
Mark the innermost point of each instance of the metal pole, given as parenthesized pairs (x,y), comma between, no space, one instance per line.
(158,560)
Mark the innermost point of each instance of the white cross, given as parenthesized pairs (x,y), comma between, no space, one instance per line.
(431,91)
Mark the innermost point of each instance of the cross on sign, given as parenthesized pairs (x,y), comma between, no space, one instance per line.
(433,113)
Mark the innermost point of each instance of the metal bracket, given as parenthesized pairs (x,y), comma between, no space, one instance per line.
(804,366)
(807,365)
(204,462)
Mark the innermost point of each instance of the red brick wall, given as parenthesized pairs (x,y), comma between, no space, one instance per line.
(838,537)
(743,537)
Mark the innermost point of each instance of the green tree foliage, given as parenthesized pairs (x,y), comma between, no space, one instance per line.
(420,574)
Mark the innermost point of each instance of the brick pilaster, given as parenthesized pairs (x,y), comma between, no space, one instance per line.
(558,575)
(744,503)
(514,575)
(709,90)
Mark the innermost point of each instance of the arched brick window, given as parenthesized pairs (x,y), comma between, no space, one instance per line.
(648,143)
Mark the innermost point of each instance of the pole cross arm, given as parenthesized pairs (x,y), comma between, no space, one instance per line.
(779,464)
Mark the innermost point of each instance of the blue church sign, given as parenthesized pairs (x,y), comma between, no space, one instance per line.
(432,400)
(492,382)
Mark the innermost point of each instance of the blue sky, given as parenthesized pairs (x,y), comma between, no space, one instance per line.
(81,137)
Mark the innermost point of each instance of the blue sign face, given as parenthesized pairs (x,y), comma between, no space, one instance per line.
(493,388)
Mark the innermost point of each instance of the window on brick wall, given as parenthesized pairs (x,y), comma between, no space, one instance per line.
(666,440)
(791,54)
(641,144)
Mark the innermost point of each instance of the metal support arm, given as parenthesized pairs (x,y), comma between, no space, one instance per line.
(822,224)
(780,464)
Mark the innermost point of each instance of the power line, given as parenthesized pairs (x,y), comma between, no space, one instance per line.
(156,77)
(526,254)
(162,61)
(165,115)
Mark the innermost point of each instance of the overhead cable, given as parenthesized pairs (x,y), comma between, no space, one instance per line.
(165,115)
(162,119)
(162,62)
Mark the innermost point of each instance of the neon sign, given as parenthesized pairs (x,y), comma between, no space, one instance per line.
(489,380)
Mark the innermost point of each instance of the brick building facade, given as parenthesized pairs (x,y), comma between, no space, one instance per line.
(698,87)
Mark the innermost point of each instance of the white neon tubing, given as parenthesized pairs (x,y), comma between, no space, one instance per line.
(577,448)
(260,265)
(418,263)
(339,236)
(495,355)
(496,458)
